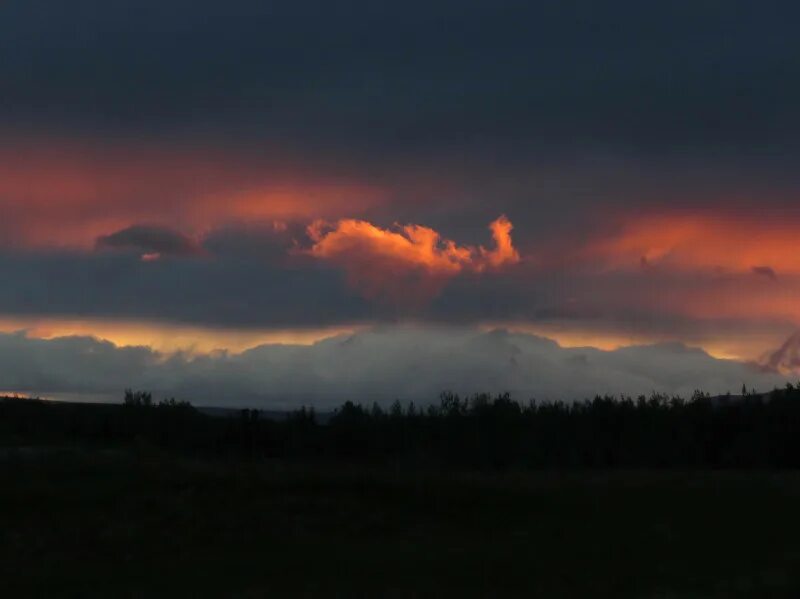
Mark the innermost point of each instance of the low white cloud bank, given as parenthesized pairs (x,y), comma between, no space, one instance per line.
(381,364)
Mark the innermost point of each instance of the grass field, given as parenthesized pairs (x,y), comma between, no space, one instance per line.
(83,524)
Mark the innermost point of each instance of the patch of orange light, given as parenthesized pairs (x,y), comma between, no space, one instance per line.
(692,241)
(732,344)
(166,337)
(62,192)
(756,299)
(504,251)
(307,200)
(411,262)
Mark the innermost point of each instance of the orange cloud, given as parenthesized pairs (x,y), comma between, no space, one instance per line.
(410,264)
(729,242)
(504,251)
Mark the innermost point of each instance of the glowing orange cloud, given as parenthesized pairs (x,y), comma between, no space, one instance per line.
(411,263)
(504,252)
(765,245)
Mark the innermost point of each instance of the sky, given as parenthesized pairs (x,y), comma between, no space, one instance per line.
(204,195)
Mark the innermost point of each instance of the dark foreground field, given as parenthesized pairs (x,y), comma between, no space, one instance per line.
(78,523)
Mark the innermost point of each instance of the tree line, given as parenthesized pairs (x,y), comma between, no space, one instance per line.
(481,431)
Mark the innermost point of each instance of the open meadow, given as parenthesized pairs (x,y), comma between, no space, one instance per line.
(140,523)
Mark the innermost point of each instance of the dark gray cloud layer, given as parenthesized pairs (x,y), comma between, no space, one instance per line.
(381,365)
(233,290)
(405,76)
(148,238)
(259,277)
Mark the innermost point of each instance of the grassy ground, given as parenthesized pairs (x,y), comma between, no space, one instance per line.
(113,525)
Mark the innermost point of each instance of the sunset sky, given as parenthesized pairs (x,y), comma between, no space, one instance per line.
(185,184)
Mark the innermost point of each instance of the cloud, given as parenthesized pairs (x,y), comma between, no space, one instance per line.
(152,241)
(281,120)
(568,124)
(697,239)
(411,263)
(234,289)
(255,280)
(272,242)
(765,271)
(67,191)
(263,276)
(504,252)
(70,364)
(382,364)
(785,359)
(542,71)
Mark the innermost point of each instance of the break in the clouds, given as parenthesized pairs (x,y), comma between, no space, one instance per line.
(382,365)
(298,166)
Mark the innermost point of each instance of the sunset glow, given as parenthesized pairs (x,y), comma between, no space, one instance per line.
(165,337)
(723,242)
(185,179)
(58,192)
(411,260)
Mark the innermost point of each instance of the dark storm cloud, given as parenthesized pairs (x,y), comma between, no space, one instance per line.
(410,76)
(148,238)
